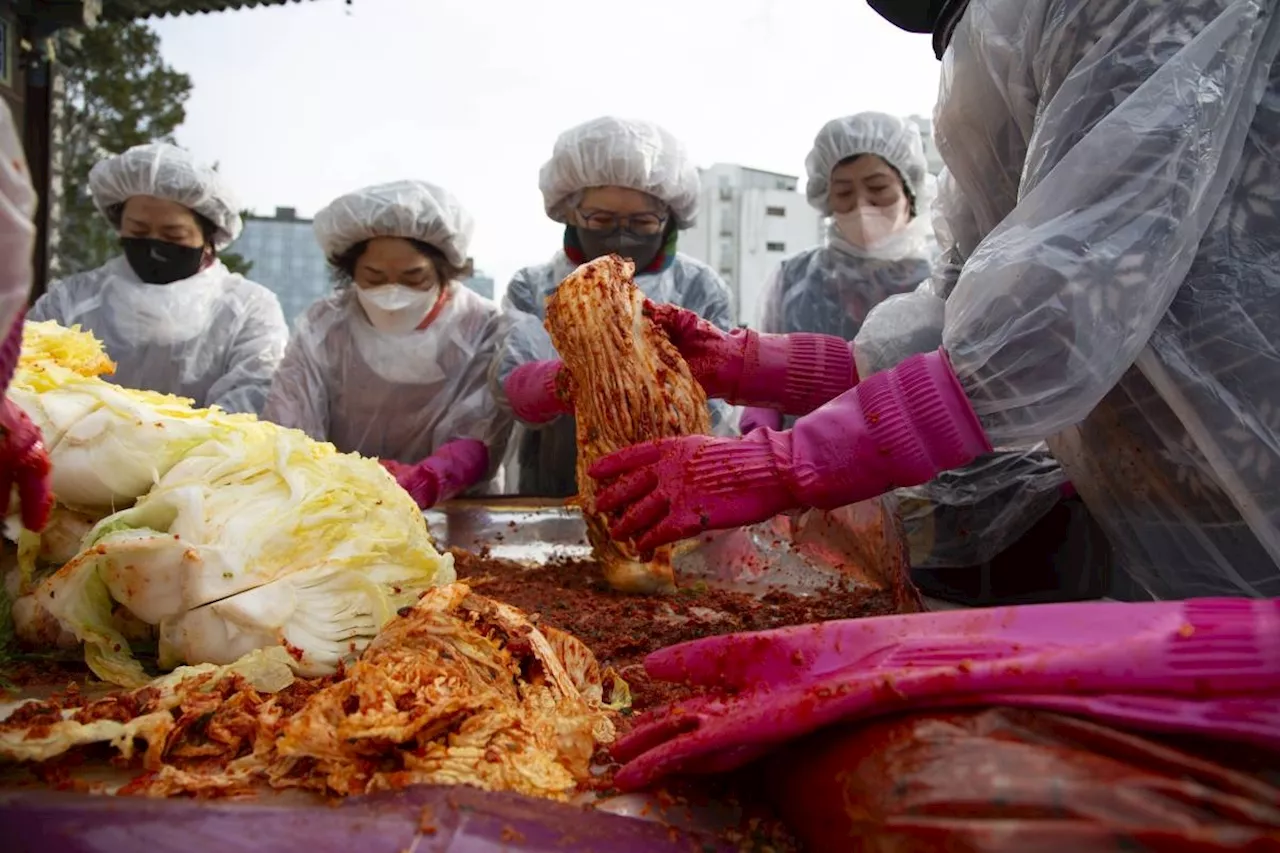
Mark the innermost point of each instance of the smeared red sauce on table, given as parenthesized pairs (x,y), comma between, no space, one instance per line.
(622,629)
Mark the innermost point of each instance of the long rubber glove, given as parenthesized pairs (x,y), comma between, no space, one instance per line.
(451,470)
(24,462)
(793,374)
(539,391)
(900,427)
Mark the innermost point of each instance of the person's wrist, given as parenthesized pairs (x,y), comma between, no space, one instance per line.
(533,392)
(797,373)
(900,427)
(752,465)
(424,484)
(725,356)
(936,414)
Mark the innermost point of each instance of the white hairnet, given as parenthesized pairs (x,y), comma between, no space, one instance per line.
(413,210)
(894,140)
(167,172)
(17,232)
(614,152)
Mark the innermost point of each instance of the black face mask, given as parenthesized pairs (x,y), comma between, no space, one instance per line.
(640,249)
(158,262)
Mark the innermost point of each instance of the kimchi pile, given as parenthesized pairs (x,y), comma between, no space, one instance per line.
(458,689)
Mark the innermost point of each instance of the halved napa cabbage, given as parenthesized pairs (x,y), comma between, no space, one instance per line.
(275,540)
(222,532)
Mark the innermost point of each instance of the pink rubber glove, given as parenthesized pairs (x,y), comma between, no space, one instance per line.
(1113,661)
(539,391)
(454,468)
(755,417)
(24,462)
(900,427)
(792,373)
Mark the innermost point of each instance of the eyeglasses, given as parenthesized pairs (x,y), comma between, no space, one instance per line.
(610,223)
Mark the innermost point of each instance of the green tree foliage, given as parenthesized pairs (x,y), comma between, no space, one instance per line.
(235,261)
(120,93)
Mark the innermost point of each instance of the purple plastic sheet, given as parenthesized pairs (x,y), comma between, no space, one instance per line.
(416,820)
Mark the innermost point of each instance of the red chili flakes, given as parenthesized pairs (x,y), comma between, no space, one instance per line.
(622,629)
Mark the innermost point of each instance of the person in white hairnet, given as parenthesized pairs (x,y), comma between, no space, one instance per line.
(1110,286)
(171,316)
(868,174)
(395,363)
(24,460)
(619,187)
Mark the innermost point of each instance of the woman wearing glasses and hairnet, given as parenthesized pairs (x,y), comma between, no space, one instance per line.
(618,186)
(868,174)
(1110,287)
(395,364)
(171,316)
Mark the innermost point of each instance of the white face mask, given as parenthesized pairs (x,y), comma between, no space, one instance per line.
(396,308)
(868,225)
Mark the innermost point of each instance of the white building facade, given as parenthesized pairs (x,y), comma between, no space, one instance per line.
(748,221)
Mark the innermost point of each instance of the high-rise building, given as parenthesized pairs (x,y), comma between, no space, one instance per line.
(287,259)
(748,221)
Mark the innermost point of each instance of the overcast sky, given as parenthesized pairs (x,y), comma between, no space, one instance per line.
(304,102)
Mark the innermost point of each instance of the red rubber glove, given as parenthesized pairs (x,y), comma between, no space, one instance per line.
(539,391)
(791,373)
(24,462)
(451,470)
(900,427)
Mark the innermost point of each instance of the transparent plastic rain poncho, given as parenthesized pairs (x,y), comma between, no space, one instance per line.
(964,517)
(542,459)
(616,152)
(392,396)
(216,337)
(1112,275)
(17,230)
(395,396)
